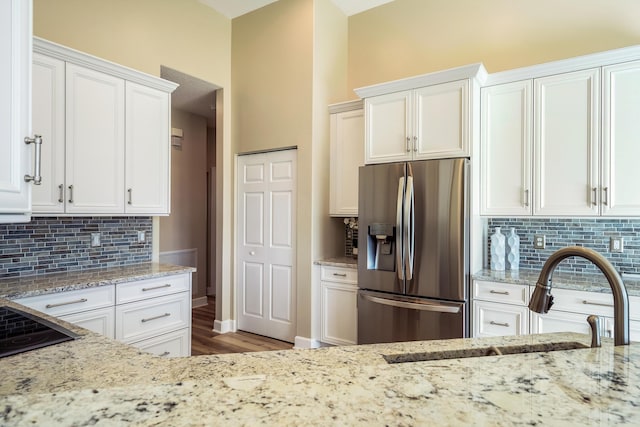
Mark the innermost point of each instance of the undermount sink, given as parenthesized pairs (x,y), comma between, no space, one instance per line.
(483,352)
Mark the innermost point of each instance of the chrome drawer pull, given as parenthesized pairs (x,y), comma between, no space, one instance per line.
(66,303)
(506,325)
(61,195)
(499,292)
(156,287)
(166,353)
(596,303)
(155,318)
(340,274)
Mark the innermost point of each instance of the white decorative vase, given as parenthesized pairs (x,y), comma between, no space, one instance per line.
(513,250)
(497,250)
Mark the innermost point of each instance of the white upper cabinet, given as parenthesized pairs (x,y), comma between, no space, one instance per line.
(94,141)
(147,150)
(566,147)
(48,121)
(621,140)
(423,117)
(15,110)
(347,155)
(108,134)
(506,139)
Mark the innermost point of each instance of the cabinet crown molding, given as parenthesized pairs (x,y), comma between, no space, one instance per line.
(341,107)
(73,56)
(472,71)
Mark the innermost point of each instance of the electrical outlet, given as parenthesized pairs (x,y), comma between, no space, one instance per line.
(539,241)
(95,239)
(142,236)
(616,244)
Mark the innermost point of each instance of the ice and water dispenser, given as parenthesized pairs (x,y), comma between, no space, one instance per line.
(381,248)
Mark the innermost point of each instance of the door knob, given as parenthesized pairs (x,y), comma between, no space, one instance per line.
(252,253)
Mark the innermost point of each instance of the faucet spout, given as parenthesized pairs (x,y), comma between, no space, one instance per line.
(542,300)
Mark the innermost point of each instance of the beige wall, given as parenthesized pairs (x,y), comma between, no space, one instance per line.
(410,37)
(186,227)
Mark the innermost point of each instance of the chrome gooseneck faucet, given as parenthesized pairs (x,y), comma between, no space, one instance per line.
(542,300)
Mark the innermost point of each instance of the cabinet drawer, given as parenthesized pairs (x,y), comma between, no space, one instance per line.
(143,319)
(493,319)
(151,288)
(582,302)
(507,293)
(101,320)
(338,274)
(173,344)
(62,303)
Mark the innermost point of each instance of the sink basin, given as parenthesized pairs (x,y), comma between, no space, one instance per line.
(483,352)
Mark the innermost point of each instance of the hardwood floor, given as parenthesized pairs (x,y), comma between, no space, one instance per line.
(205,341)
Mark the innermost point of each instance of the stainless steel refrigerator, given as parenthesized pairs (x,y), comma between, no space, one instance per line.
(413,243)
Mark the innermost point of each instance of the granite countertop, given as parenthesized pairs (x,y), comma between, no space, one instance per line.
(96,380)
(346,262)
(20,287)
(581,282)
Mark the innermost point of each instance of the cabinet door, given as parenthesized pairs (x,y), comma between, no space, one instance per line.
(388,127)
(347,155)
(505,153)
(560,321)
(441,126)
(493,319)
(147,150)
(566,159)
(95,141)
(173,344)
(101,321)
(48,121)
(15,109)
(339,313)
(621,147)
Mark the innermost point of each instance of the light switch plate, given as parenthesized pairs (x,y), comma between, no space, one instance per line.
(539,241)
(142,237)
(95,239)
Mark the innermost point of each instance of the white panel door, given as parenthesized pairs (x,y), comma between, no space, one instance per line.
(441,127)
(48,121)
(15,109)
(621,144)
(388,127)
(266,268)
(147,150)
(95,141)
(566,144)
(505,153)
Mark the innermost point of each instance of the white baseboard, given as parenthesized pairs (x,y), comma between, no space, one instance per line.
(304,342)
(224,326)
(198,302)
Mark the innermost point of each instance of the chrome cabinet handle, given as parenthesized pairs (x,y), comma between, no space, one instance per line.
(506,325)
(408,144)
(166,353)
(71,194)
(526,197)
(156,287)
(596,303)
(605,196)
(340,274)
(60,193)
(415,144)
(81,300)
(499,292)
(36,177)
(129,191)
(594,201)
(149,319)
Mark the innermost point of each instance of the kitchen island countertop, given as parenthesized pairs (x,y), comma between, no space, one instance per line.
(97,380)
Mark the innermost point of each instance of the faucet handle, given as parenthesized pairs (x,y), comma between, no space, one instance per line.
(594,323)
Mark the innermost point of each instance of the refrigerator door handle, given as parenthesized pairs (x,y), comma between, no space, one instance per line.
(399,248)
(423,306)
(409,229)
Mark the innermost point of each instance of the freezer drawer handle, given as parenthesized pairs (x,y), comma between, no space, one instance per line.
(499,292)
(414,306)
(506,325)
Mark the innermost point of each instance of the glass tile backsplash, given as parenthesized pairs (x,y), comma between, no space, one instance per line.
(592,233)
(56,244)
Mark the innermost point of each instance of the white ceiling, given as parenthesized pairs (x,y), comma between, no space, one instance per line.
(234,8)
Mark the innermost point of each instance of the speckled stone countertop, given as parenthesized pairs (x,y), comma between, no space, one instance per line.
(20,287)
(346,262)
(561,280)
(94,380)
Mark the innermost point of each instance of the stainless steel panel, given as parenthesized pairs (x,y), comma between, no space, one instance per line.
(392,318)
(379,191)
(441,222)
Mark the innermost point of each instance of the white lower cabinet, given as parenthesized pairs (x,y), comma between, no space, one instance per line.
(500,309)
(153,315)
(339,322)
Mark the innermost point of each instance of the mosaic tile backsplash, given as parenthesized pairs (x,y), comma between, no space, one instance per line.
(593,233)
(57,244)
